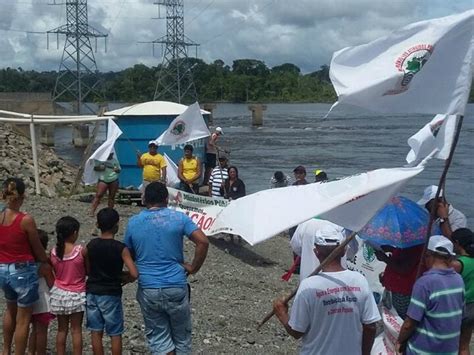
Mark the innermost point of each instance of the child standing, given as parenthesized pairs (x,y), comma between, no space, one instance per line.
(68,295)
(106,257)
(41,309)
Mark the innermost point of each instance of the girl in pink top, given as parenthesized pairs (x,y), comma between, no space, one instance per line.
(68,295)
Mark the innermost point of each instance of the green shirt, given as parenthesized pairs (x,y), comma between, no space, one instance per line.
(467,274)
(109,174)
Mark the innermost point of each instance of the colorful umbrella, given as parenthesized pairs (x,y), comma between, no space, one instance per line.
(401,223)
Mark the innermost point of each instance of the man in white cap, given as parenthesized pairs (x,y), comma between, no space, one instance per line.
(336,301)
(434,316)
(448,217)
(211,153)
(153,164)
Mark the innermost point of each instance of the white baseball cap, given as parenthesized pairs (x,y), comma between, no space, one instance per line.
(441,245)
(329,236)
(429,194)
(218,129)
(152,142)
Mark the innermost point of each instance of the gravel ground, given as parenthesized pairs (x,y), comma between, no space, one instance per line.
(230,294)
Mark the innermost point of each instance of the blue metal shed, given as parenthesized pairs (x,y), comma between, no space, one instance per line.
(141,123)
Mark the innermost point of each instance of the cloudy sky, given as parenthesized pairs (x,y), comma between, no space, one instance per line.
(303,32)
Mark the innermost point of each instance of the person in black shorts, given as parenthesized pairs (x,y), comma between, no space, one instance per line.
(106,257)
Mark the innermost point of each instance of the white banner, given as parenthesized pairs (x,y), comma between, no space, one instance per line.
(202,210)
(188,126)
(438,134)
(90,176)
(425,67)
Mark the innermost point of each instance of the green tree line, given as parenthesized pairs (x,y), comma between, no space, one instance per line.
(247,80)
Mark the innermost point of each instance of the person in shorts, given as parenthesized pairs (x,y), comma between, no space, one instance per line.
(20,249)
(106,257)
(108,172)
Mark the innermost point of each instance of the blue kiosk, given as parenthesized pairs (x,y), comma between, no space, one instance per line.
(142,123)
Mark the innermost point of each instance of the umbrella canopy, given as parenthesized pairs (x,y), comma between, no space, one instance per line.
(401,223)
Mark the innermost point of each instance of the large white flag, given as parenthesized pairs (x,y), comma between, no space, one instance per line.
(350,202)
(425,67)
(438,134)
(188,126)
(90,176)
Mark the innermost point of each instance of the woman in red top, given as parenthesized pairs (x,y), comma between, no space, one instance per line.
(20,249)
(400,274)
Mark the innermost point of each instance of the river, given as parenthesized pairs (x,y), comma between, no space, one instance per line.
(349,141)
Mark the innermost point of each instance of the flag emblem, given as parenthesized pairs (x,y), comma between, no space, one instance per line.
(409,64)
(178,128)
(368,252)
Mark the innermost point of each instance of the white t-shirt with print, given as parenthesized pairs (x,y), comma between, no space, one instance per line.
(330,309)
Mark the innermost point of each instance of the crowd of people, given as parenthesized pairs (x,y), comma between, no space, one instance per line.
(74,280)
(432,290)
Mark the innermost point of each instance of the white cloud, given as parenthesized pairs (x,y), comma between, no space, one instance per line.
(303,32)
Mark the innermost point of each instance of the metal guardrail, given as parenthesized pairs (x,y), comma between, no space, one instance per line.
(32,120)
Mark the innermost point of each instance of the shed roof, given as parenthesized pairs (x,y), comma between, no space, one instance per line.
(151,108)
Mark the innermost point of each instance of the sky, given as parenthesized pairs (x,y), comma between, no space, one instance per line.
(302,32)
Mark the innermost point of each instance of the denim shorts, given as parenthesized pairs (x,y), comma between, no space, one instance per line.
(104,312)
(19,282)
(167,316)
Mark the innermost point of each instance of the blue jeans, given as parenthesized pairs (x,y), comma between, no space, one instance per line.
(19,282)
(167,316)
(104,312)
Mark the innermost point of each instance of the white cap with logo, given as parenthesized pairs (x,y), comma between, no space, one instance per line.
(441,245)
(152,142)
(429,194)
(329,236)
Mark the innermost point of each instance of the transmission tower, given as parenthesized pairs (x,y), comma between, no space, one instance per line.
(175,80)
(77,77)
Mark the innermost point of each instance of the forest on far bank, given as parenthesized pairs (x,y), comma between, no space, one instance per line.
(247,80)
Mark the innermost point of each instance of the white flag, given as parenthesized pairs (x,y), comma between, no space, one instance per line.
(425,67)
(350,203)
(171,172)
(438,134)
(90,176)
(188,126)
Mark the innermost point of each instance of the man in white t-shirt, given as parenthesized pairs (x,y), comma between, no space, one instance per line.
(302,244)
(334,312)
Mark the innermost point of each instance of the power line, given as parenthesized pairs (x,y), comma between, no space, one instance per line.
(204,9)
(233,27)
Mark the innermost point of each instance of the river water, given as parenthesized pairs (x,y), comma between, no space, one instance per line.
(350,141)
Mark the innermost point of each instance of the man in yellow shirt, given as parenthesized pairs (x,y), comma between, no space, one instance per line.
(189,171)
(153,164)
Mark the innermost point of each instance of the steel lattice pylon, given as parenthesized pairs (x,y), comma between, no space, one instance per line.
(77,78)
(175,80)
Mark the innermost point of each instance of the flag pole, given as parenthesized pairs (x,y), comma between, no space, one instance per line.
(323,264)
(441,185)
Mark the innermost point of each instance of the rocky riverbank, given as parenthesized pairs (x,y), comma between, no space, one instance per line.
(230,294)
(16,159)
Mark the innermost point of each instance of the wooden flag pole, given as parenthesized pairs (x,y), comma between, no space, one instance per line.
(441,185)
(326,261)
